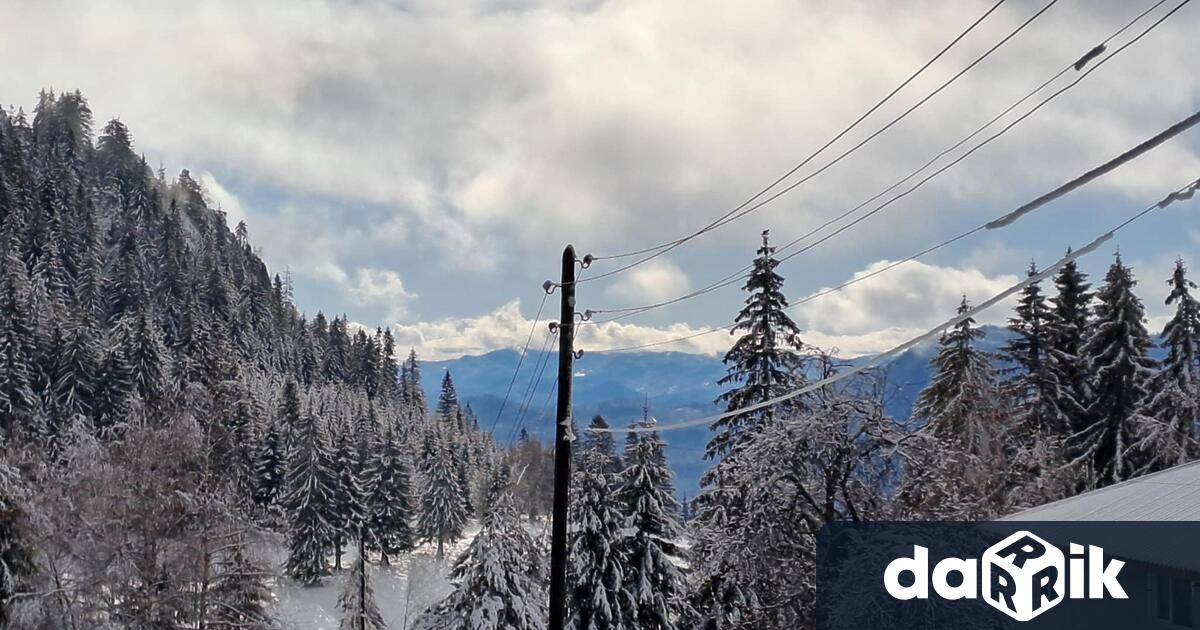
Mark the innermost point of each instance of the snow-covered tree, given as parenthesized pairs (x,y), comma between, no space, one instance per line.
(961,399)
(447,404)
(443,513)
(357,601)
(653,576)
(498,579)
(389,504)
(347,491)
(1070,325)
(1167,437)
(1035,376)
(596,574)
(269,467)
(1116,351)
(240,597)
(309,503)
(764,361)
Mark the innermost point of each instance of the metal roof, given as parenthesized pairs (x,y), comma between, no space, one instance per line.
(1168,495)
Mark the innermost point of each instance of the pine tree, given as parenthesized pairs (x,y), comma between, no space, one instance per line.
(389,505)
(357,601)
(959,402)
(447,405)
(1117,357)
(415,392)
(309,502)
(443,513)
(498,579)
(240,597)
(1031,349)
(599,598)
(17,371)
(268,468)
(653,579)
(347,492)
(1168,438)
(597,438)
(1070,325)
(764,361)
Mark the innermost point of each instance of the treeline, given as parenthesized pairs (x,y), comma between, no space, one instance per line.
(163,403)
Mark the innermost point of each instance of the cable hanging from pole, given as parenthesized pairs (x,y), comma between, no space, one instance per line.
(741,211)
(622,313)
(520,360)
(1184,193)
(1001,222)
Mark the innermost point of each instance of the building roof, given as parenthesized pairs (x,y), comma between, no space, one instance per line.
(1168,495)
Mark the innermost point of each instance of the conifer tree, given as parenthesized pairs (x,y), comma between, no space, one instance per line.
(357,601)
(601,441)
(599,597)
(653,579)
(347,492)
(498,579)
(309,502)
(764,361)
(443,513)
(960,400)
(17,371)
(269,467)
(415,392)
(1070,324)
(1036,381)
(240,595)
(389,504)
(447,405)
(1168,437)
(1116,351)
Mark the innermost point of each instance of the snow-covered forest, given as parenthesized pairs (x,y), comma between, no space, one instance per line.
(167,414)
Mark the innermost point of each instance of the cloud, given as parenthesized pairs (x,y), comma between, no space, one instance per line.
(500,125)
(382,287)
(506,327)
(912,296)
(654,281)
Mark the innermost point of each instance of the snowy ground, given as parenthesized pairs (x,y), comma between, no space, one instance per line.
(315,608)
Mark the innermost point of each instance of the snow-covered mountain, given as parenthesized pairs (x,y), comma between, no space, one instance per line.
(676,386)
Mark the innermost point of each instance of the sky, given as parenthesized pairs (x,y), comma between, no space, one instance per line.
(422,164)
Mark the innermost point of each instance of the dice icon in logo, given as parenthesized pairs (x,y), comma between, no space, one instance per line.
(1023,576)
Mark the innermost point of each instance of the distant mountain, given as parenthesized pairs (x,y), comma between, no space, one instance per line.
(676,386)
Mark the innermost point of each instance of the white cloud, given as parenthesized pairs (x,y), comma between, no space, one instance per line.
(654,281)
(382,287)
(500,126)
(912,296)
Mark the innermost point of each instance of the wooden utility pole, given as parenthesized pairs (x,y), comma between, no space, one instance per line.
(562,444)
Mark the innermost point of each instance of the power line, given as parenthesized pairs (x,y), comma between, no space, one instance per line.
(1186,192)
(829,143)
(737,213)
(520,360)
(532,391)
(1079,64)
(534,376)
(1003,221)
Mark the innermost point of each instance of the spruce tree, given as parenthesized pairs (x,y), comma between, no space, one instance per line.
(447,404)
(1168,437)
(347,492)
(961,398)
(268,467)
(357,601)
(651,551)
(309,503)
(1030,349)
(764,361)
(596,574)
(389,505)
(443,513)
(17,370)
(1116,351)
(498,579)
(415,392)
(1072,316)
(597,438)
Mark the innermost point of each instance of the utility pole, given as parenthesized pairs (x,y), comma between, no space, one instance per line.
(362,581)
(562,444)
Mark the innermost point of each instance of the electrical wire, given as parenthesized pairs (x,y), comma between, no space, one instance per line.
(1186,192)
(520,360)
(740,212)
(623,313)
(519,425)
(534,378)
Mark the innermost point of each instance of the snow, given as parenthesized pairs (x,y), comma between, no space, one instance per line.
(315,607)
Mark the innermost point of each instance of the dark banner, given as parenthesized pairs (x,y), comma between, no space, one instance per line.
(1062,575)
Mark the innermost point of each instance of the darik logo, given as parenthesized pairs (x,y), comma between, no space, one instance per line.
(1023,576)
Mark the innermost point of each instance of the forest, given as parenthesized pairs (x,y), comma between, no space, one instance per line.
(164,405)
